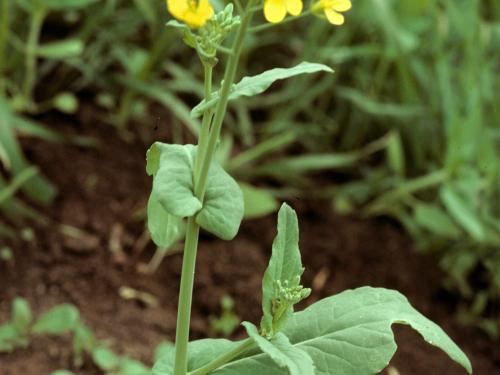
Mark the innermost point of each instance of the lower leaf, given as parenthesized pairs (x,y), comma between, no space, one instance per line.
(165,229)
(347,334)
(350,333)
(282,352)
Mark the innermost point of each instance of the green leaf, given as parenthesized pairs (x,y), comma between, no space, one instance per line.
(435,220)
(105,359)
(38,189)
(296,165)
(373,107)
(173,181)
(63,372)
(153,159)
(17,182)
(31,128)
(250,86)
(223,208)
(61,49)
(258,202)
(62,5)
(4,157)
(347,334)
(164,349)
(282,352)
(462,212)
(61,319)
(133,367)
(8,337)
(285,269)
(172,167)
(395,153)
(83,341)
(164,228)
(351,332)
(200,353)
(21,314)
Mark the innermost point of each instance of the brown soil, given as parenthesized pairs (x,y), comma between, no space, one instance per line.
(100,192)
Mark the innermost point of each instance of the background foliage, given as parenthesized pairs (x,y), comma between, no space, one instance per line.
(408,126)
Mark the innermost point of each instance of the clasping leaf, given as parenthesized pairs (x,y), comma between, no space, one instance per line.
(173,198)
(165,229)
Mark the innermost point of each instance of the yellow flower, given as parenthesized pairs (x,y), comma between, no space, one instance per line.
(276,10)
(332,9)
(193,12)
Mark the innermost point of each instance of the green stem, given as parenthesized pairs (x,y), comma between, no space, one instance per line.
(31,47)
(224,358)
(191,248)
(186,296)
(205,125)
(220,111)
(202,165)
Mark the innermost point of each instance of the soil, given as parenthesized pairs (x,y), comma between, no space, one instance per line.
(103,189)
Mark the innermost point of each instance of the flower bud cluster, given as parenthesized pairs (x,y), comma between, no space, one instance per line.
(215,30)
(288,294)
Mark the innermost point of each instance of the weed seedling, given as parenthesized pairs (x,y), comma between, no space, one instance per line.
(61,320)
(228,321)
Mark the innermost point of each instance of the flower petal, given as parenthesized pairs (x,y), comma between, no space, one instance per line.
(177,8)
(275,10)
(334,17)
(193,20)
(341,5)
(294,7)
(205,10)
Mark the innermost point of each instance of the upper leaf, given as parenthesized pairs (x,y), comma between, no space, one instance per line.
(281,283)
(250,86)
